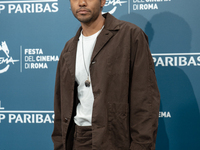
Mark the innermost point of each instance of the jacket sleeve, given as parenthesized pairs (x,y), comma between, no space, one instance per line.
(57,132)
(144,96)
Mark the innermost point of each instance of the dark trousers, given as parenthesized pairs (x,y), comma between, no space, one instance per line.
(82,138)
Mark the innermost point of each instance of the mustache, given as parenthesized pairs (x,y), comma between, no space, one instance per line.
(82,8)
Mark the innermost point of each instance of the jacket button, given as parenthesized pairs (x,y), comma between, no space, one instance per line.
(66,119)
(93,62)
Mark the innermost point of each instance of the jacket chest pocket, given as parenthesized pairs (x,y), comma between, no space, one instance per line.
(118,125)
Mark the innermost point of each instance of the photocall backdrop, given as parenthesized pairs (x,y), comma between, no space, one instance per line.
(32,36)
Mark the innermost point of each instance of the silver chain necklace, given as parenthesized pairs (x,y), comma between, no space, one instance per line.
(87,82)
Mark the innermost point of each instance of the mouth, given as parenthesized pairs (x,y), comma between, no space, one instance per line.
(83,11)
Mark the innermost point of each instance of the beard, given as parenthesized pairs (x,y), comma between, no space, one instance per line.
(88,17)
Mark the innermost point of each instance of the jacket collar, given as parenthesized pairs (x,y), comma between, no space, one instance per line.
(111,24)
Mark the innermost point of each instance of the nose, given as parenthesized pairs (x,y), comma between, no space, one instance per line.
(82,3)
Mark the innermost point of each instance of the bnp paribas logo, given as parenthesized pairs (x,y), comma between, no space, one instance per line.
(28,6)
(5,59)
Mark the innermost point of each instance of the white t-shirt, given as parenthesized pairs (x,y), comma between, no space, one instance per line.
(84,108)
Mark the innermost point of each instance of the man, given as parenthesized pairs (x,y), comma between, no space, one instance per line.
(106,95)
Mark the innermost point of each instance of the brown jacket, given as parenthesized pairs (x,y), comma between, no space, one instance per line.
(126,96)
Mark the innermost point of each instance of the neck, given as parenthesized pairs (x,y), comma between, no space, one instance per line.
(93,27)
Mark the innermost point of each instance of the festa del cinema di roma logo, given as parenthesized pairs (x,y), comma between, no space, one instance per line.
(114,3)
(7,60)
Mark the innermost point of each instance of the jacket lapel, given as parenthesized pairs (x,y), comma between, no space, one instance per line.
(110,27)
(102,39)
(70,55)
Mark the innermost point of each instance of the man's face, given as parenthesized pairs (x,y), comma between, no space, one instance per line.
(87,11)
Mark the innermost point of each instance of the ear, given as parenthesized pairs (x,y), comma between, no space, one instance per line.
(103,3)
